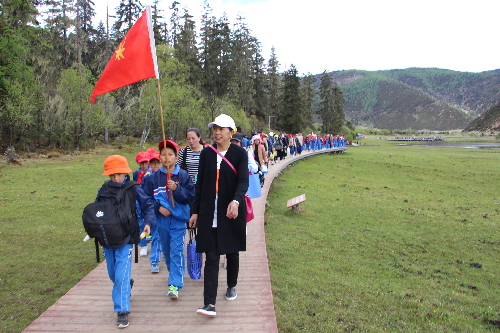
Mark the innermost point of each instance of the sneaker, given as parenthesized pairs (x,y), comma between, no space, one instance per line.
(208,310)
(122,320)
(173,292)
(231,294)
(144,251)
(155,268)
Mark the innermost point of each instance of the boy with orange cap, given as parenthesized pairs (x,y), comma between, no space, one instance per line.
(173,190)
(119,257)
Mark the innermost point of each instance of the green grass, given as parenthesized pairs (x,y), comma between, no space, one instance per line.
(41,231)
(385,243)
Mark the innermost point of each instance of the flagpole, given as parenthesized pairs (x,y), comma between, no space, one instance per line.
(163,133)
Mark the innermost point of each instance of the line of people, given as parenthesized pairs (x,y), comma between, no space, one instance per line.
(279,146)
(197,186)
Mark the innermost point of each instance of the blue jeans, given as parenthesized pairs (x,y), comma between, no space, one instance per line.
(119,264)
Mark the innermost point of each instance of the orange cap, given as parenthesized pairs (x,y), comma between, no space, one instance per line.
(115,164)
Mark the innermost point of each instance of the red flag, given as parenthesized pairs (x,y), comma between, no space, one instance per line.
(133,60)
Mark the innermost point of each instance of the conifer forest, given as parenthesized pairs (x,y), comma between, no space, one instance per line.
(52,54)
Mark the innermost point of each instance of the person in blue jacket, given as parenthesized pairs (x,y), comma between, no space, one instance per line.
(119,258)
(172,189)
(155,256)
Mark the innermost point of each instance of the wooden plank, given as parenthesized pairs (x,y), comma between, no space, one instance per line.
(295,201)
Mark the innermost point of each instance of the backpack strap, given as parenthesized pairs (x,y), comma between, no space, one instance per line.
(97,258)
(128,185)
(184,157)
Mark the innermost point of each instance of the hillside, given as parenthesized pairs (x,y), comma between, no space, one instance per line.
(417,98)
(488,121)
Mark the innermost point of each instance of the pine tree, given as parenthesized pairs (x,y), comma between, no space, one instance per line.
(308,96)
(84,30)
(331,106)
(127,12)
(160,38)
(85,15)
(174,23)
(214,56)
(273,86)
(186,49)
(243,49)
(339,115)
(291,117)
(20,94)
(61,21)
(260,87)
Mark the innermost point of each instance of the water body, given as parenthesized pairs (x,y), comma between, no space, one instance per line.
(444,144)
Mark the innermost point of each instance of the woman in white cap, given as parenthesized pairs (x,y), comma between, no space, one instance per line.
(218,209)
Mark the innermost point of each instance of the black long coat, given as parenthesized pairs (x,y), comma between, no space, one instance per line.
(231,233)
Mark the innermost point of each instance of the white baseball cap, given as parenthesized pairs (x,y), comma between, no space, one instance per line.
(223,120)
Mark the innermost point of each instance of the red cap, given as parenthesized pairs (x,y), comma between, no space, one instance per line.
(142,156)
(153,154)
(168,143)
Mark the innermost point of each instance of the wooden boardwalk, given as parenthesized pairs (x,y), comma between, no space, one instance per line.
(88,307)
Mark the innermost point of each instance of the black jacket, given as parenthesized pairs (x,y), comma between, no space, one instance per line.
(231,233)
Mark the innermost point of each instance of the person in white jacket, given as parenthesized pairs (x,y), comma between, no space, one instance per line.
(254,189)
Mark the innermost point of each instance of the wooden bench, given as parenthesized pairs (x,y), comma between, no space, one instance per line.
(294,203)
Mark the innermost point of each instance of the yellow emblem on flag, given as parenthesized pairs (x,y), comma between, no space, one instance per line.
(119,51)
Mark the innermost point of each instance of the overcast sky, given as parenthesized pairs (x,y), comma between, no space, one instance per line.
(318,35)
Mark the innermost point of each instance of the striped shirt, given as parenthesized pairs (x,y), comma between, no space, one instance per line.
(191,163)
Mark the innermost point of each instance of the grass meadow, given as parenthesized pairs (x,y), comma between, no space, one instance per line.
(41,231)
(391,238)
(384,242)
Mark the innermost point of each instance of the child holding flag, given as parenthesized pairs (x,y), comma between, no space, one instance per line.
(172,189)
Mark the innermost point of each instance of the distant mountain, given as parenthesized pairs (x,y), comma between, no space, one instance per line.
(417,98)
(488,121)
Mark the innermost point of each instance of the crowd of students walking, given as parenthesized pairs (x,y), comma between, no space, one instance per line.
(278,146)
(200,186)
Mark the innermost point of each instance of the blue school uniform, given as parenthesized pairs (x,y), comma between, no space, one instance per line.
(138,175)
(172,229)
(155,255)
(119,260)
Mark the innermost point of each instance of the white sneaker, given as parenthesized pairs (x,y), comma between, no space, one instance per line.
(144,251)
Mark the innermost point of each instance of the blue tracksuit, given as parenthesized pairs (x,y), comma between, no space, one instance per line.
(172,229)
(155,255)
(119,260)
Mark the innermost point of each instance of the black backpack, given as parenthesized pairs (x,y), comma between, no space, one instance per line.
(111,220)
